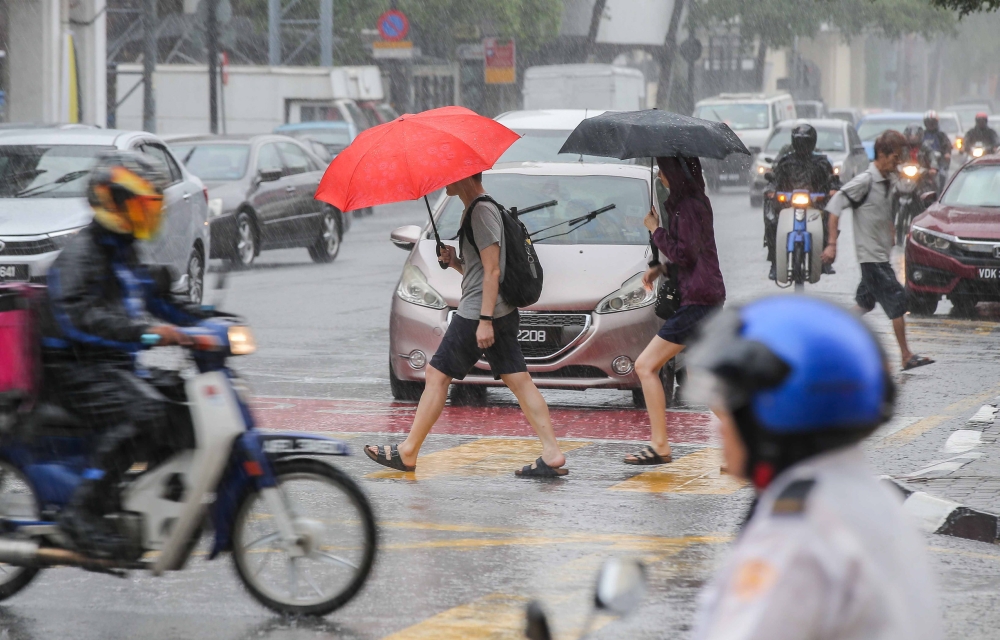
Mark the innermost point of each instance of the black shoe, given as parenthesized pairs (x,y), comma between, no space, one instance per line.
(828,270)
(773,273)
(85,524)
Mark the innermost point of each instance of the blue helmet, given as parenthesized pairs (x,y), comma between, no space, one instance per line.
(790,369)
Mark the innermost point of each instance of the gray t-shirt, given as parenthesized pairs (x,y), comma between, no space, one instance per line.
(487,228)
(873,237)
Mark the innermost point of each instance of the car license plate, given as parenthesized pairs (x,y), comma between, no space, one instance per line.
(989,273)
(544,334)
(729,177)
(13,273)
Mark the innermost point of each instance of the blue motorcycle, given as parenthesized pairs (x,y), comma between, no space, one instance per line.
(800,226)
(301,532)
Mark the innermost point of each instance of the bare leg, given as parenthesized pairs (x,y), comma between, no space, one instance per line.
(537,413)
(656,354)
(429,409)
(899,327)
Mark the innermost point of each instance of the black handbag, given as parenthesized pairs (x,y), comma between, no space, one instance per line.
(668,295)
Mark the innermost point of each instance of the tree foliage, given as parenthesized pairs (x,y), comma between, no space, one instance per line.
(965,7)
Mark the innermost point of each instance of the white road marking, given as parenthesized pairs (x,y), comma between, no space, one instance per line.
(941,469)
(963,440)
(984,416)
(929,512)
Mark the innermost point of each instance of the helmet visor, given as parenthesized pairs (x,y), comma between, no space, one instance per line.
(145,213)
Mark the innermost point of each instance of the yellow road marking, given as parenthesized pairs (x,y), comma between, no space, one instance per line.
(695,473)
(912,432)
(484,457)
(967,554)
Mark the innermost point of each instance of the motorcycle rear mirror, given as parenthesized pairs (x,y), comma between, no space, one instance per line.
(769,160)
(929,198)
(621,586)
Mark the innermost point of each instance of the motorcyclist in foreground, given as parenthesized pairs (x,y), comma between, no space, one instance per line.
(100,299)
(982,132)
(827,552)
(798,168)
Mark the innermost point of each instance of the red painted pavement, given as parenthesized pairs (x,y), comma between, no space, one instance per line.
(315,414)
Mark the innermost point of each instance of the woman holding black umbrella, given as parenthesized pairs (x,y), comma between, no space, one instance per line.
(689,243)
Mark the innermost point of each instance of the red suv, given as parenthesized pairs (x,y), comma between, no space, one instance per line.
(954,246)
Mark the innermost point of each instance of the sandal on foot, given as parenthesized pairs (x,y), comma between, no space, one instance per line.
(917,361)
(388,457)
(648,456)
(540,470)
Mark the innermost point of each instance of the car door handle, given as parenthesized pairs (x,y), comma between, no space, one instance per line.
(289,189)
(187,196)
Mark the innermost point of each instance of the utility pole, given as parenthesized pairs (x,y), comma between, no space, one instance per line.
(326,33)
(149,65)
(666,58)
(212,34)
(274,32)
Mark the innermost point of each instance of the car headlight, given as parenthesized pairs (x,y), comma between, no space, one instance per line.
(214,207)
(930,239)
(413,288)
(978,152)
(837,167)
(632,295)
(62,238)
(241,342)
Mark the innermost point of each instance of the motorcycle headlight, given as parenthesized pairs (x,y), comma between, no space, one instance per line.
(632,295)
(910,171)
(241,342)
(930,240)
(214,207)
(413,288)
(978,152)
(959,143)
(837,167)
(801,199)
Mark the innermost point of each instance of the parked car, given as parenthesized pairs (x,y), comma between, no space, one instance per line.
(43,179)
(848,114)
(752,117)
(814,109)
(260,196)
(594,316)
(953,249)
(378,112)
(837,139)
(325,138)
(543,132)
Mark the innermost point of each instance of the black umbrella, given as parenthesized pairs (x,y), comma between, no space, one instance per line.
(652,133)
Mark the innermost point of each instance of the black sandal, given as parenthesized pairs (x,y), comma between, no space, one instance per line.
(388,457)
(540,470)
(648,456)
(917,361)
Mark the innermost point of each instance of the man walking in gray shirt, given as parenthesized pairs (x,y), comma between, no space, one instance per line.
(484,325)
(869,195)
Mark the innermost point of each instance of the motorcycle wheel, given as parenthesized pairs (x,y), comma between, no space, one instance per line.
(17,500)
(337,538)
(798,266)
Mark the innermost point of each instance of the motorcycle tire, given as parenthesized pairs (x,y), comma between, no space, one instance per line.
(287,471)
(14,579)
(798,264)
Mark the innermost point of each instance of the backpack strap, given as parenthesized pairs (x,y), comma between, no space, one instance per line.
(857,204)
(466,228)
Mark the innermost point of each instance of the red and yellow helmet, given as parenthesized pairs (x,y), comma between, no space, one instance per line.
(126,192)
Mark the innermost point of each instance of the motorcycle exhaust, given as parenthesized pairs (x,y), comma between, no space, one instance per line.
(26,553)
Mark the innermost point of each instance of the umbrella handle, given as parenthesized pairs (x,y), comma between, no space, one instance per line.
(437,238)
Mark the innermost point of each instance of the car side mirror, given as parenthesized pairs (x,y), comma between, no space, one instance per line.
(621,586)
(269,176)
(769,176)
(406,237)
(769,160)
(929,198)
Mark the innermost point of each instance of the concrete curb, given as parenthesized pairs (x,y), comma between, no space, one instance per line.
(944,517)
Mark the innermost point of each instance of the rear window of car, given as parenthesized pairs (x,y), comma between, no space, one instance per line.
(214,162)
(46,171)
(975,186)
(542,145)
(827,139)
(870,129)
(737,115)
(576,196)
(328,136)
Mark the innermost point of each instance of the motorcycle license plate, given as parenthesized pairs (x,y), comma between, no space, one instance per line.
(988,273)
(13,273)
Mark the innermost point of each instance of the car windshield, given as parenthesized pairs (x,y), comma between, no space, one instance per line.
(214,161)
(870,129)
(975,186)
(46,171)
(542,145)
(738,116)
(337,138)
(808,109)
(827,139)
(968,114)
(576,196)
(949,126)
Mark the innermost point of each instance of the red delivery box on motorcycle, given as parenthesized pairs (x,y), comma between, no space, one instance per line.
(19,367)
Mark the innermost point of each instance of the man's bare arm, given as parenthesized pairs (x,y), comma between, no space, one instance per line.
(491,277)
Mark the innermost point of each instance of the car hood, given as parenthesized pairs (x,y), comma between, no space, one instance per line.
(979,223)
(577,277)
(34,216)
(232,193)
(753,137)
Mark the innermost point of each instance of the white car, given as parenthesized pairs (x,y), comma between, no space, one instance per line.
(43,177)
(543,133)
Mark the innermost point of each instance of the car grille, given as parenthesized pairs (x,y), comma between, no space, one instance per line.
(561,332)
(26,247)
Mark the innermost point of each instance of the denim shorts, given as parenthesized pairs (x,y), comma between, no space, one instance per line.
(459,351)
(683,325)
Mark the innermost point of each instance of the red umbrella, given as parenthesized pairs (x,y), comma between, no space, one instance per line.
(412,156)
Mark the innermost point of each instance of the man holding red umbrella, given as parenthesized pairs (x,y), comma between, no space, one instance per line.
(409,158)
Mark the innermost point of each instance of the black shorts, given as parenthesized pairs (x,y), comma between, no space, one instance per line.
(879,284)
(459,351)
(681,326)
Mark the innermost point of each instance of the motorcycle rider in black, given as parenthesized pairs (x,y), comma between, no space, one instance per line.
(101,301)
(798,168)
(982,132)
(939,142)
(921,153)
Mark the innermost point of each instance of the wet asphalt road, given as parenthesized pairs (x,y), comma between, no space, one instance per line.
(464,543)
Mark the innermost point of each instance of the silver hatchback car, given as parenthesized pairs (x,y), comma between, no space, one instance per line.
(43,177)
(594,316)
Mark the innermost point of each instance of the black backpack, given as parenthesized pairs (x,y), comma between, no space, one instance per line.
(521,282)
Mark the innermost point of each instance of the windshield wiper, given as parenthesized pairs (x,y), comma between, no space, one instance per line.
(578,222)
(515,212)
(69,177)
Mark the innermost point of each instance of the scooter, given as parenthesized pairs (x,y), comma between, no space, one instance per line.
(800,225)
(621,586)
(907,202)
(978,150)
(301,532)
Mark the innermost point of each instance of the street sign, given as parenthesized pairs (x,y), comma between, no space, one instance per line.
(393,25)
(691,49)
(393,50)
(499,62)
